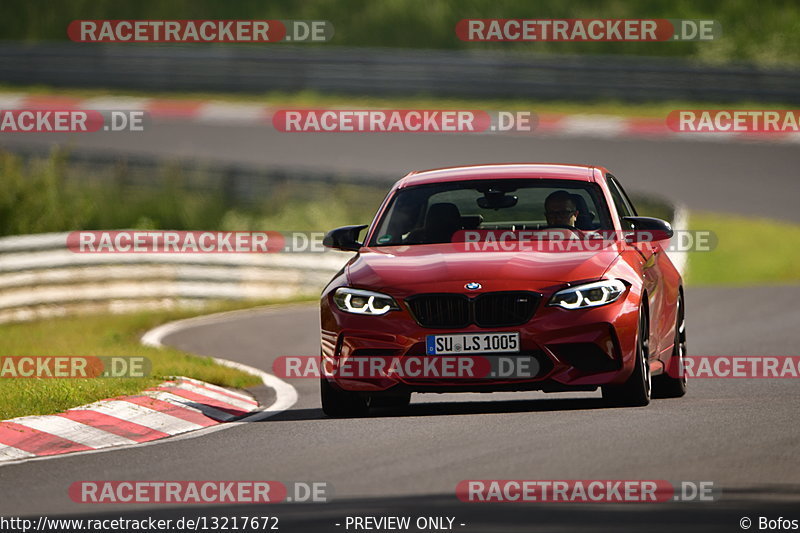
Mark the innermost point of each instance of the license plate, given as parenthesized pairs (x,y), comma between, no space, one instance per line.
(461,343)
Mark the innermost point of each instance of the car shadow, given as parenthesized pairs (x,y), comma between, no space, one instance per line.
(460,408)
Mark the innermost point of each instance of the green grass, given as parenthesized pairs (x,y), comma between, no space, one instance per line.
(750,251)
(101,335)
(317,99)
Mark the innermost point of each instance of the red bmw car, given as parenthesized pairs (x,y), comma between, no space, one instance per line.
(542,268)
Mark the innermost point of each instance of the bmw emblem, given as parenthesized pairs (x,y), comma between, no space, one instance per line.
(473,286)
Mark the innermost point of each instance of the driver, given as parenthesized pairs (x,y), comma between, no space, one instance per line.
(560,209)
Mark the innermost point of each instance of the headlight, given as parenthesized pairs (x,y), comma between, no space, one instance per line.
(589,295)
(363,302)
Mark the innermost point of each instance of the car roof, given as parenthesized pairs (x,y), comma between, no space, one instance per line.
(503,171)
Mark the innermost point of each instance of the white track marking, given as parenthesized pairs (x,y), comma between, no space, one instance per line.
(240,404)
(225,112)
(590,125)
(9,453)
(74,431)
(144,416)
(12,100)
(242,396)
(185,403)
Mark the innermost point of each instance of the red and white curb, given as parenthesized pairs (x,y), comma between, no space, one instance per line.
(169,109)
(221,112)
(172,408)
(181,408)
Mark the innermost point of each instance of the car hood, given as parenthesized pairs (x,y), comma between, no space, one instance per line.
(445,267)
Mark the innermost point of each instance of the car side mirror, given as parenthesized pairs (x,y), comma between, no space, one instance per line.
(648,229)
(344,238)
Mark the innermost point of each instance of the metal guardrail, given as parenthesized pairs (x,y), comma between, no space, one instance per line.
(40,277)
(386,72)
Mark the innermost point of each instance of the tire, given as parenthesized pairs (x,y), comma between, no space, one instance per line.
(394,401)
(636,391)
(342,404)
(664,385)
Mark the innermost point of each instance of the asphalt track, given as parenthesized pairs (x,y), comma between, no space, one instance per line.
(746,178)
(740,434)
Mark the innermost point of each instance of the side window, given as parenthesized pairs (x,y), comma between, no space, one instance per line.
(624,209)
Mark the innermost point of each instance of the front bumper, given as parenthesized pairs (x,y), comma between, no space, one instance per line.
(576,349)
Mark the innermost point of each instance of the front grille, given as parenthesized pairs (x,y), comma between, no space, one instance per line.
(441,310)
(497,309)
(489,310)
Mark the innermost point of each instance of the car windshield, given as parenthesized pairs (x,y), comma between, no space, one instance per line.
(440,212)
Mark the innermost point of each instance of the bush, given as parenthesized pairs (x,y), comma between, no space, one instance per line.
(50,194)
